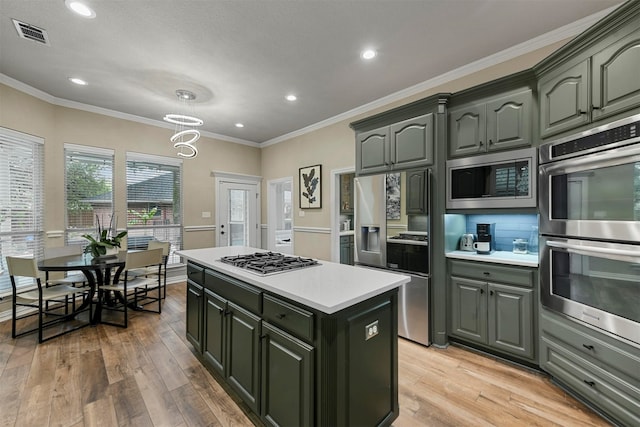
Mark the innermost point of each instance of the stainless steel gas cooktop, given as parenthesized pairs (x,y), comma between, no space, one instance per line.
(266,263)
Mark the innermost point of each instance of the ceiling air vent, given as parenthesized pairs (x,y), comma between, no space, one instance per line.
(30,32)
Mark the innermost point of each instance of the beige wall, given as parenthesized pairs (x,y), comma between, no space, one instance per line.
(60,125)
(332,147)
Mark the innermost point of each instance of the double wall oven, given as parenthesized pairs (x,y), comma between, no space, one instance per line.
(589,200)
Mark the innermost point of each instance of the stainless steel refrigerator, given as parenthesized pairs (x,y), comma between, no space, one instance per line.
(390,235)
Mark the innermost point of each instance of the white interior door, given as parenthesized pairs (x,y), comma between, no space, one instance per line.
(237,214)
(280,222)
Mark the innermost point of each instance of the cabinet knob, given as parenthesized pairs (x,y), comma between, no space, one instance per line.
(588,346)
(281,315)
(486,273)
(582,113)
(490,292)
(594,107)
(589,383)
(480,143)
(482,291)
(490,141)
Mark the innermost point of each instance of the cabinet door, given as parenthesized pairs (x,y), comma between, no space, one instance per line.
(469,309)
(372,151)
(344,249)
(467,130)
(214,335)
(194,314)
(412,142)
(243,354)
(564,100)
(511,319)
(352,250)
(416,192)
(287,379)
(616,78)
(509,121)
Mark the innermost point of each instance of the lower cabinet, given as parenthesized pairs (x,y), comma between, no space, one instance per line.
(293,365)
(499,316)
(232,345)
(287,379)
(347,250)
(194,314)
(598,367)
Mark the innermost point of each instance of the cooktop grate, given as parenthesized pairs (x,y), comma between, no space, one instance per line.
(265,263)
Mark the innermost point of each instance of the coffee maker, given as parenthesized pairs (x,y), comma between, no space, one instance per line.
(486,233)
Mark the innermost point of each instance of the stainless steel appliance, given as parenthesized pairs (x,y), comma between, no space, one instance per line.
(267,263)
(590,226)
(466,242)
(500,180)
(388,238)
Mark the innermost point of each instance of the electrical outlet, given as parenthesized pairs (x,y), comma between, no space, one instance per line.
(371,330)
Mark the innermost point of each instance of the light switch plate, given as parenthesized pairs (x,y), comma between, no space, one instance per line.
(300,213)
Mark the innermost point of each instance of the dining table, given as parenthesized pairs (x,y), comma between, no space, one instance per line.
(98,272)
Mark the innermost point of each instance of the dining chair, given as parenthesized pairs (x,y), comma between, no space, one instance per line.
(37,298)
(74,278)
(152,271)
(134,289)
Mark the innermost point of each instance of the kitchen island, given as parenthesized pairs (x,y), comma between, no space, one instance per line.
(311,346)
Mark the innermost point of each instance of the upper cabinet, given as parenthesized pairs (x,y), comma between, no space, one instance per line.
(402,138)
(593,77)
(497,123)
(402,145)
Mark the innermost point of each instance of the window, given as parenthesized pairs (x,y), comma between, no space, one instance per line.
(89,191)
(154,201)
(21,199)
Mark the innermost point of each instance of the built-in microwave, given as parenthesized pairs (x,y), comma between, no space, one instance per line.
(500,180)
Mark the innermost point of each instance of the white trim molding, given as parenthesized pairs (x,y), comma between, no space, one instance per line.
(54,234)
(320,230)
(188,228)
(235,177)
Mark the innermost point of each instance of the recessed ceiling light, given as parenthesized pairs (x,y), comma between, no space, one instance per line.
(239,125)
(369,54)
(80,8)
(78,81)
(291,97)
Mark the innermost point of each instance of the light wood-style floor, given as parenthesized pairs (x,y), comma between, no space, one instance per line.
(147,375)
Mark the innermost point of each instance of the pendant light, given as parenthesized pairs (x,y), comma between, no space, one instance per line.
(185,135)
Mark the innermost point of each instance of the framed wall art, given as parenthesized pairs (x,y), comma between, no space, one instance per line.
(311,187)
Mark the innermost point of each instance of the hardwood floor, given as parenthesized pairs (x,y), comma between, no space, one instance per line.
(147,375)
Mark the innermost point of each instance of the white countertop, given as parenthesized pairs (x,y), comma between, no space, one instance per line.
(498,257)
(328,287)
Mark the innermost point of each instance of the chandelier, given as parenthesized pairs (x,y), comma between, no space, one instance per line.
(185,135)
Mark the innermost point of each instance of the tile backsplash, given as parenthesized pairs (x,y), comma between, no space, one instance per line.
(508,227)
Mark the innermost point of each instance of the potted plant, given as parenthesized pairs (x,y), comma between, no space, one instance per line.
(106,242)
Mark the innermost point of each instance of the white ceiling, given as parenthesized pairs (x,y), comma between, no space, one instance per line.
(242,57)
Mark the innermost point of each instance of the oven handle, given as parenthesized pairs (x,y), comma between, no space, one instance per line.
(595,250)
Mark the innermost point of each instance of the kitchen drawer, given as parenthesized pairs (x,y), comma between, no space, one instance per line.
(195,273)
(238,292)
(617,398)
(295,320)
(612,357)
(486,272)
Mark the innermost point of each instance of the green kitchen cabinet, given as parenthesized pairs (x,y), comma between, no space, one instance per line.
(593,77)
(195,305)
(494,306)
(347,250)
(417,192)
(496,123)
(402,145)
(194,314)
(598,367)
(287,379)
(243,353)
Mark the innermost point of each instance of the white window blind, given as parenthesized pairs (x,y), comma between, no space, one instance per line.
(154,202)
(21,199)
(89,190)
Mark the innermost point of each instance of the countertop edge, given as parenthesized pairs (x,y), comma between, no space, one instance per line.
(254,280)
(498,257)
